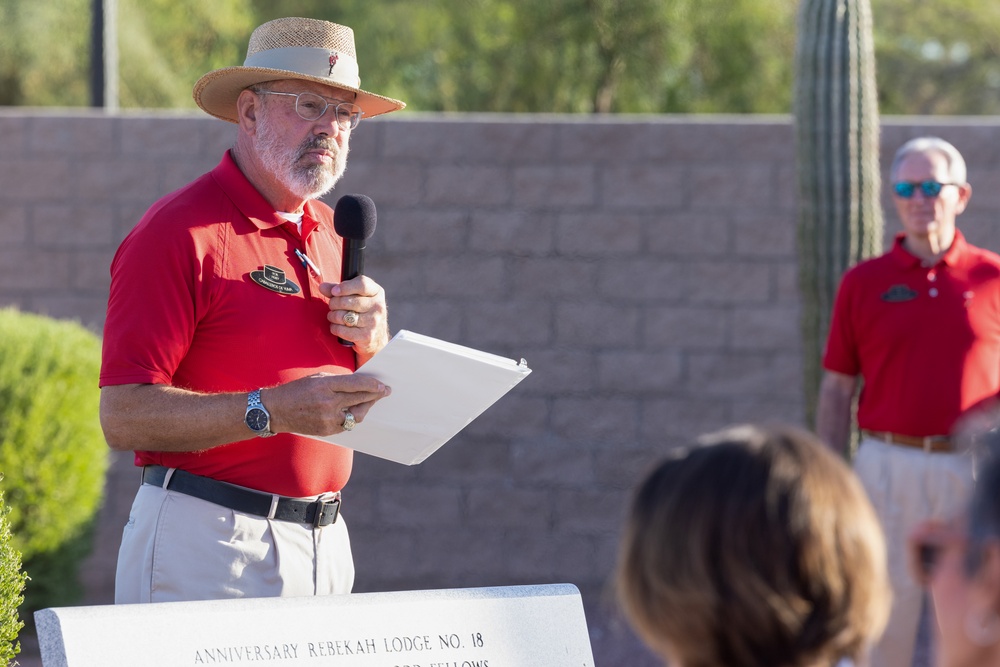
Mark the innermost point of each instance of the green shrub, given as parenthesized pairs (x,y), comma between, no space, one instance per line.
(52,451)
(11,590)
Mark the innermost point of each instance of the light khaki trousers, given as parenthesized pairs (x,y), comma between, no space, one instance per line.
(176,547)
(908,486)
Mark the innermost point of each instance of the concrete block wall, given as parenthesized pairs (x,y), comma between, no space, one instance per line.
(644,266)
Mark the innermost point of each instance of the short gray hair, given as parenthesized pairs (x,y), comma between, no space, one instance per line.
(956,163)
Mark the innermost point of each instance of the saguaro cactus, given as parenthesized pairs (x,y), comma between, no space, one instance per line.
(837,135)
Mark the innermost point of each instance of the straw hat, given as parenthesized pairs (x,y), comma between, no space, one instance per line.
(291,48)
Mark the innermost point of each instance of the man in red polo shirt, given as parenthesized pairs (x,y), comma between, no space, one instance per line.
(222,330)
(920,326)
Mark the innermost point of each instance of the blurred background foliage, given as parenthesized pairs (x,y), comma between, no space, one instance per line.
(576,56)
(52,452)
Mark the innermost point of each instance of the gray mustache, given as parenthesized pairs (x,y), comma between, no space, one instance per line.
(319,142)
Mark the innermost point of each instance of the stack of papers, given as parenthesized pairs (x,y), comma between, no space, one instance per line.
(437,389)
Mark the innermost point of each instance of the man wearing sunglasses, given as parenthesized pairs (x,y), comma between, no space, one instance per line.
(919,327)
(223,329)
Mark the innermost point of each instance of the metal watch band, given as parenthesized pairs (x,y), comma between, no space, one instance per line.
(254,403)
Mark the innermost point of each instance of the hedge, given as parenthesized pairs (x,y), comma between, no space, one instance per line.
(11,590)
(52,451)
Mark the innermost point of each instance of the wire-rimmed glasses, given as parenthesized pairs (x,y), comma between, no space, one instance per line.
(310,106)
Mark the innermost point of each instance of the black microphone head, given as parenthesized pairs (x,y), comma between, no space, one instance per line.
(354,217)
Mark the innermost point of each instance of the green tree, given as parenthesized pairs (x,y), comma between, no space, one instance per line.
(570,55)
(44,53)
(166,45)
(576,56)
(745,56)
(938,58)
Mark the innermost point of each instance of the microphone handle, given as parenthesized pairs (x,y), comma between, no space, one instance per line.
(352,266)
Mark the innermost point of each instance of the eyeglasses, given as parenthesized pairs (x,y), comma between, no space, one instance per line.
(928,543)
(905,189)
(927,556)
(310,106)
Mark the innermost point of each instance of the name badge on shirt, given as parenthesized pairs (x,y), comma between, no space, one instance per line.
(898,294)
(273,278)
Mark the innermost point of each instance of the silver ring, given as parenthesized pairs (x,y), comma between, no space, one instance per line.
(351,318)
(349,421)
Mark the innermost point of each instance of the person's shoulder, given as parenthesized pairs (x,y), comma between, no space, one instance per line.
(192,205)
(982,255)
(870,266)
(875,262)
(199,193)
(176,221)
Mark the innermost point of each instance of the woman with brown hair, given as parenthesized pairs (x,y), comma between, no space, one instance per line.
(757,547)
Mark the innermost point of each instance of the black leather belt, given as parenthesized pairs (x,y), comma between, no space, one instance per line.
(310,512)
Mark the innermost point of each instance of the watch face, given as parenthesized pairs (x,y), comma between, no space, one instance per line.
(257,419)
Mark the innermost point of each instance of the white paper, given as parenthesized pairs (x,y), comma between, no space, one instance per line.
(438,388)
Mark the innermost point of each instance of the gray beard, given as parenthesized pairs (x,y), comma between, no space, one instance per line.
(305,182)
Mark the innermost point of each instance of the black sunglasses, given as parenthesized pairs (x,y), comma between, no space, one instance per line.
(905,189)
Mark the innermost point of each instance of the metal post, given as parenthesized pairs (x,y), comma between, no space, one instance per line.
(104,55)
(97,53)
(111,56)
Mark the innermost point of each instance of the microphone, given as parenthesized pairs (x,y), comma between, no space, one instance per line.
(354,220)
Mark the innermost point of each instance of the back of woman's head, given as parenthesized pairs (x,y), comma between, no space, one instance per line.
(755,548)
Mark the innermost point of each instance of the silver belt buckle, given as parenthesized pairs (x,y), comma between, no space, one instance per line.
(322,507)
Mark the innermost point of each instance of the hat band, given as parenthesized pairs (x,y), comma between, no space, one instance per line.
(338,68)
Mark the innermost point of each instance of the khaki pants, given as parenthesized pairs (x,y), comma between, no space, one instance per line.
(176,547)
(908,486)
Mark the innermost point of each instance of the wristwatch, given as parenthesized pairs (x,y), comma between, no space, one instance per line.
(257,418)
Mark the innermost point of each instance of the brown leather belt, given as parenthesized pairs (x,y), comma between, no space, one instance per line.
(930,443)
